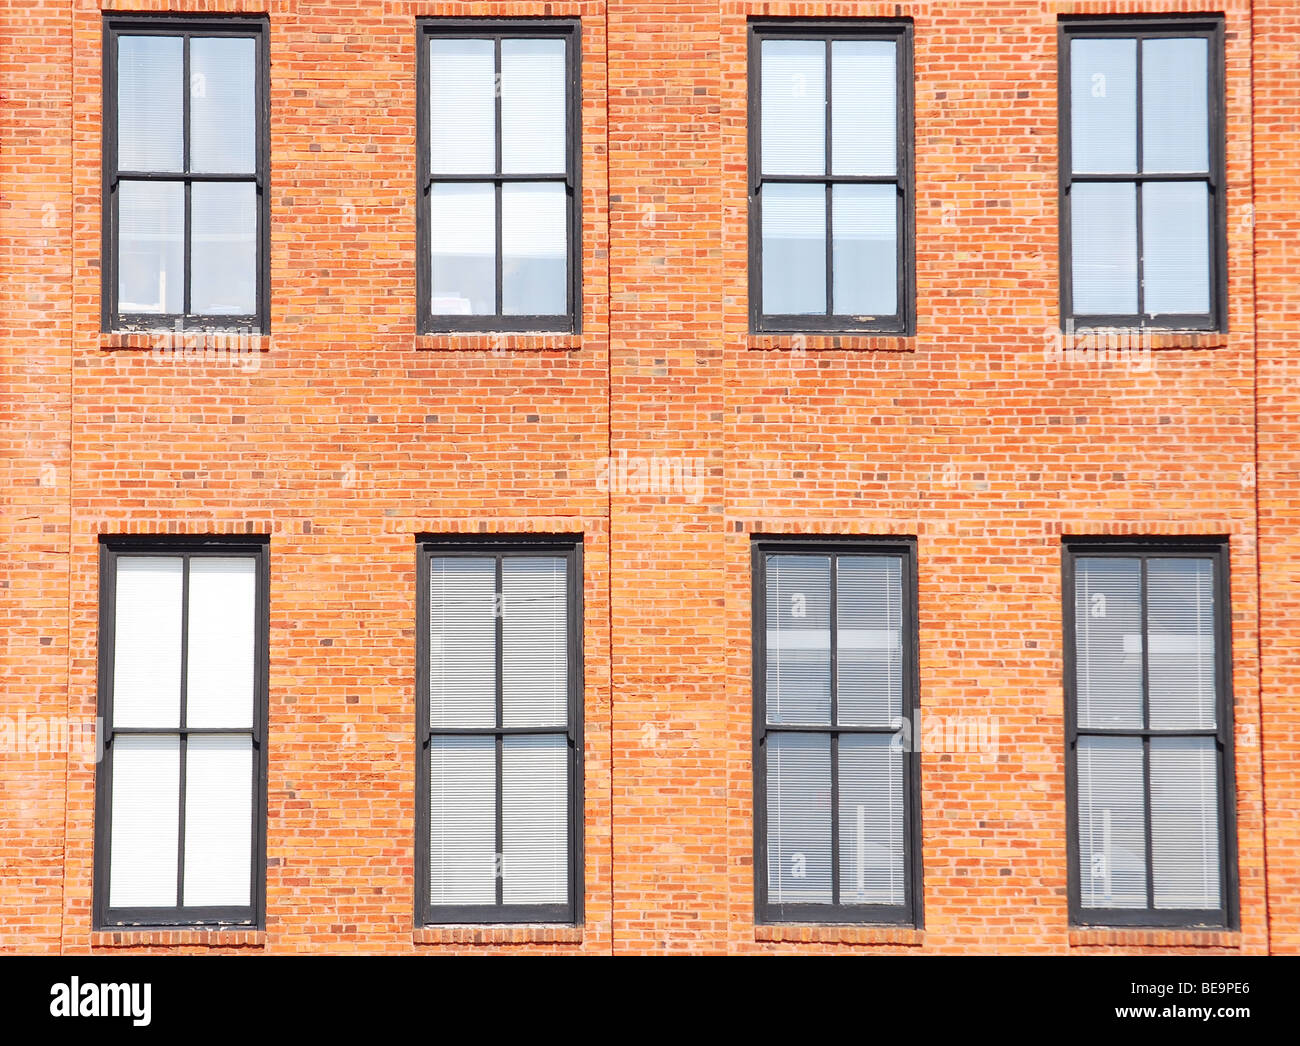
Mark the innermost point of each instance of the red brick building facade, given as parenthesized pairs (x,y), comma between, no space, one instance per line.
(987,435)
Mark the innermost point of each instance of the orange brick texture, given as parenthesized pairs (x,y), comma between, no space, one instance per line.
(343,435)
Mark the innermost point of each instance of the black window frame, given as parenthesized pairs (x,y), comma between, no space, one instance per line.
(256,27)
(1216,550)
(1160,26)
(498,29)
(437,546)
(111,549)
(902,323)
(912,912)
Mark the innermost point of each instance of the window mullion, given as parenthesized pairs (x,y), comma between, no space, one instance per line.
(498,187)
(498,862)
(829,161)
(182,738)
(833,628)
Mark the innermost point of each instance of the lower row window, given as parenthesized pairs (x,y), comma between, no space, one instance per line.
(181,798)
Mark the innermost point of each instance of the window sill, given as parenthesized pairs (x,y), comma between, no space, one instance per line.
(1110,937)
(500,341)
(823,342)
(1137,338)
(847,934)
(188,341)
(512,934)
(178,937)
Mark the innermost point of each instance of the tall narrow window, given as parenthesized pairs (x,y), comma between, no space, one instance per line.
(1149,732)
(1142,209)
(181,788)
(186,241)
(498,176)
(500,713)
(830,177)
(835,776)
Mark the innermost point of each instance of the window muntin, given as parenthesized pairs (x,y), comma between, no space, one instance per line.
(499,732)
(186,206)
(830,177)
(181,793)
(835,775)
(1149,735)
(1142,205)
(498,142)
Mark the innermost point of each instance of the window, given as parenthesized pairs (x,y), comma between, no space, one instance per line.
(499,701)
(1149,734)
(835,779)
(186,211)
(830,199)
(498,157)
(1142,209)
(181,796)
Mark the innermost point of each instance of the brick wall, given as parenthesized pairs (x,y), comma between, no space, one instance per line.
(344,434)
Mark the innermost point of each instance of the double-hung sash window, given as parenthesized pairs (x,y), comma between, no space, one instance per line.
(1142,208)
(500,752)
(181,786)
(186,210)
(1148,729)
(835,777)
(498,176)
(830,177)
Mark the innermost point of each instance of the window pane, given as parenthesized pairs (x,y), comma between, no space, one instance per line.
(794,249)
(1180,623)
(222,123)
(1108,641)
(1112,823)
(1185,822)
(147,641)
(534,820)
(532,106)
(865,249)
(222,641)
(223,255)
(534,237)
(145,812)
(150,72)
(218,820)
(1176,247)
(871,820)
(462,642)
(1175,119)
(462,235)
(462,820)
(869,608)
(462,107)
(1103,106)
(534,661)
(793,89)
(864,110)
(1103,223)
(798,819)
(798,639)
(151,247)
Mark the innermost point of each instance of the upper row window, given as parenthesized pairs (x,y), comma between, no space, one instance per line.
(1143,240)
(185,162)
(498,176)
(1142,215)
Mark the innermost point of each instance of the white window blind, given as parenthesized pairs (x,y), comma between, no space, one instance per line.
(161,737)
